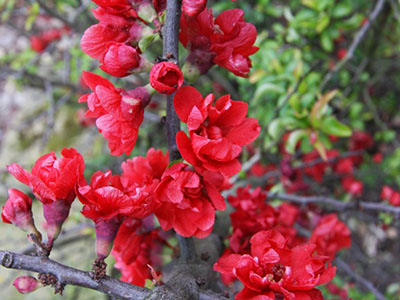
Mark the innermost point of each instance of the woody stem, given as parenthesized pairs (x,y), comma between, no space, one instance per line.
(170,50)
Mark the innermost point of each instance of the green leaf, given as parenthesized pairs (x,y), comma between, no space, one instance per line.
(342,9)
(326,42)
(145,42)
(331,125)
(293,139)
(276,128)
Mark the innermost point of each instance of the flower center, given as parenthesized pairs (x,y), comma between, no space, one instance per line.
(278,270)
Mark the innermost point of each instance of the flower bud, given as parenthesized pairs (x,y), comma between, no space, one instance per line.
(120,59)
(166,77)
(18,211)
(26,284)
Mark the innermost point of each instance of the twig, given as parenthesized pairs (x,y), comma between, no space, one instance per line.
(337,204)
(55,14)
(68,275)
(357,40)
(382,125)
(359,279)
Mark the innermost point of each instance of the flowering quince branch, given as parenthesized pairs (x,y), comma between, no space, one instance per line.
(170,49)
(336,204)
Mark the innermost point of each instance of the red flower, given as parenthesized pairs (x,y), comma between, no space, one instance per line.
(107,205)
(187,202)
(119,113)
(97,39)
(53,182)
(216,132)
(193,7)
(352,186)
(273,268)
(120,59)
(227,41)
(18,211)
(166,77)
(246,200)
(386,192)
(330,236)
(140,177)
(395,199)
(135,248)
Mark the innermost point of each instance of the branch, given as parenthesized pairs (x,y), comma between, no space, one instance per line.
(342,265)
(68,275)
(357,40)
(337,204)
(56,15)
(170,49)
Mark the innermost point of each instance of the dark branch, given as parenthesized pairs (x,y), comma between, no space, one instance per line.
(356,42)
(336,204)
(170,49)
(342,265)
(68,275)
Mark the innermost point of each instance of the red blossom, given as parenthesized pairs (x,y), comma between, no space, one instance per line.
(352,186)
(53,182)
(140,177)
(193,7)
(166,77)
(226,41)
(216,132)
(135,248)
(120,59)
(331,235)
(119,113)
(107,205)
(18,211)
(273,268)
(187,202)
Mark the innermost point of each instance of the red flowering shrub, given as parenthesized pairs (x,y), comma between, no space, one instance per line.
(216,132)
(273,268)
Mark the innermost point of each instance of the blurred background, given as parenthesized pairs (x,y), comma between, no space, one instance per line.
(345,52)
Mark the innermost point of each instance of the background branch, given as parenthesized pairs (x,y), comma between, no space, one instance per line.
(356,42)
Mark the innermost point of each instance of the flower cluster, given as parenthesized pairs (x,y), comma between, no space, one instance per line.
(273,267)
(114,40)
(226,41)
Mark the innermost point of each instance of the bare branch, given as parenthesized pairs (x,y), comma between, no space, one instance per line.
(68,275)
(170,49)
(356,42)
(337,204)
(342,265)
